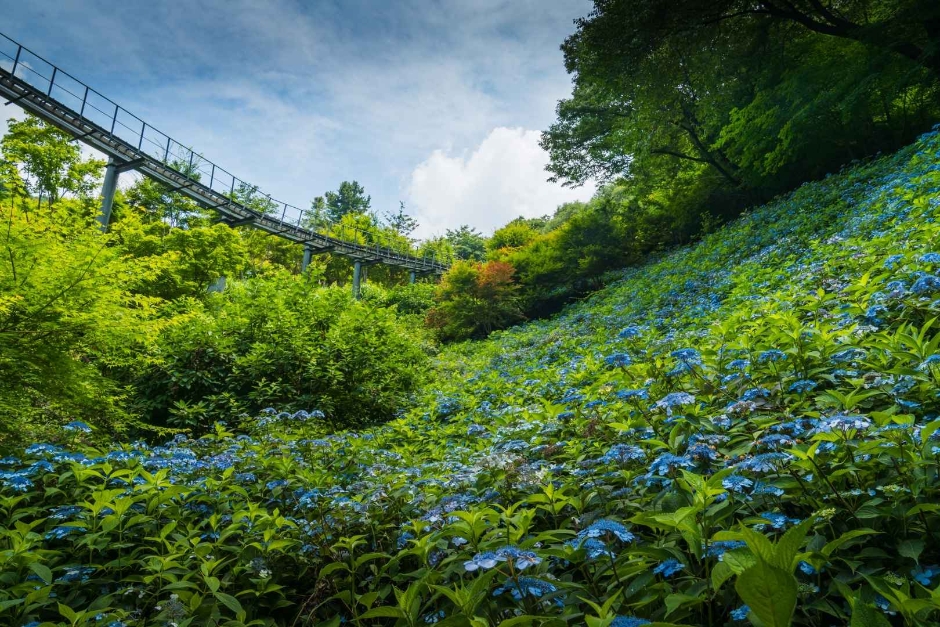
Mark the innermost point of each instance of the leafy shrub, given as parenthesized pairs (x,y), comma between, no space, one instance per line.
(66,302)
(282,341)
(473,299)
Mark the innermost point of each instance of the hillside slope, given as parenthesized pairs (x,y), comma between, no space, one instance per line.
(740,430)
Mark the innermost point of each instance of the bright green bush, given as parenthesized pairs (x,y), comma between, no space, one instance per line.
(474,299)
(281,341)
(66,304)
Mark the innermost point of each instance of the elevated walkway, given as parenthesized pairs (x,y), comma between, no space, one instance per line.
(41,88)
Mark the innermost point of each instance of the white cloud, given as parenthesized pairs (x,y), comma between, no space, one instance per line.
(504,177)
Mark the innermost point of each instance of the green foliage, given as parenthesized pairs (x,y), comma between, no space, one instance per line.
(474,299)
(66,297)
(51,163)
(515,234)
(468,243)
(744,430)
(280,341)
(349,200)
(400,222)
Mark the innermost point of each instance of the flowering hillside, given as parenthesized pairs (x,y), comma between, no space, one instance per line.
(741,431)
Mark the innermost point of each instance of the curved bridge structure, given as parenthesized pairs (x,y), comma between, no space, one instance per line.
(41,88)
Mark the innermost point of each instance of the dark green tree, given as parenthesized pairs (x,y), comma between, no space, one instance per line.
(51,163)
(316,217)
(400,222)
(350,198)
(468,243)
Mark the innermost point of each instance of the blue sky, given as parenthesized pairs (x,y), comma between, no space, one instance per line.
(434,103)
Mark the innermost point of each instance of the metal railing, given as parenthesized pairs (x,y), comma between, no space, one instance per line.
(97,109)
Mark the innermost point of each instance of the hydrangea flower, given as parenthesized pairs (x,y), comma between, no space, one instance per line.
(629,621)
(802,386)
(777,520)
(740,613)
(771,356)
(77,425)
(736,483)
(719,548)
(667,462)
(526,587)
(629,395)
(606,527)
(628,333)
(926,285)
(924,574)
(618,360)
(843,423)
(595,548)
(57,533)
(668,568)
(623,453)
(765,462)
(673,400)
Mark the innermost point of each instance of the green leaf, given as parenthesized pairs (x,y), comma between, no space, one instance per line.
(911,548)
(384,611)
(788,546)
(231,603)
(42,571)
(864,615)
(846,537)
(68,613)
(770,593)
(213,583)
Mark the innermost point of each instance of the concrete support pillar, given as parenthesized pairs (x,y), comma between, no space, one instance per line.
(357,278)
(411,277)
(111,175)
(308,256)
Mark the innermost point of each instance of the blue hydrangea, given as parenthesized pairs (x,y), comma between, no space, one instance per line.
(802,386)
(719,548)
(667,462)
(629,621)
(930,258)
(843,423)
(926,285)
(637,394)
(668,568)
(630,332)
(623,453)
(740,613)
(777,520)
(595,548)
(675,399)
(76,573)
(764,462)
(57,533)
(771,356)
(892,261)
(77,425)
(526,587)
(736,483)
(16,481)
(606,527)
(924,575)
(930,362)
(618,360)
